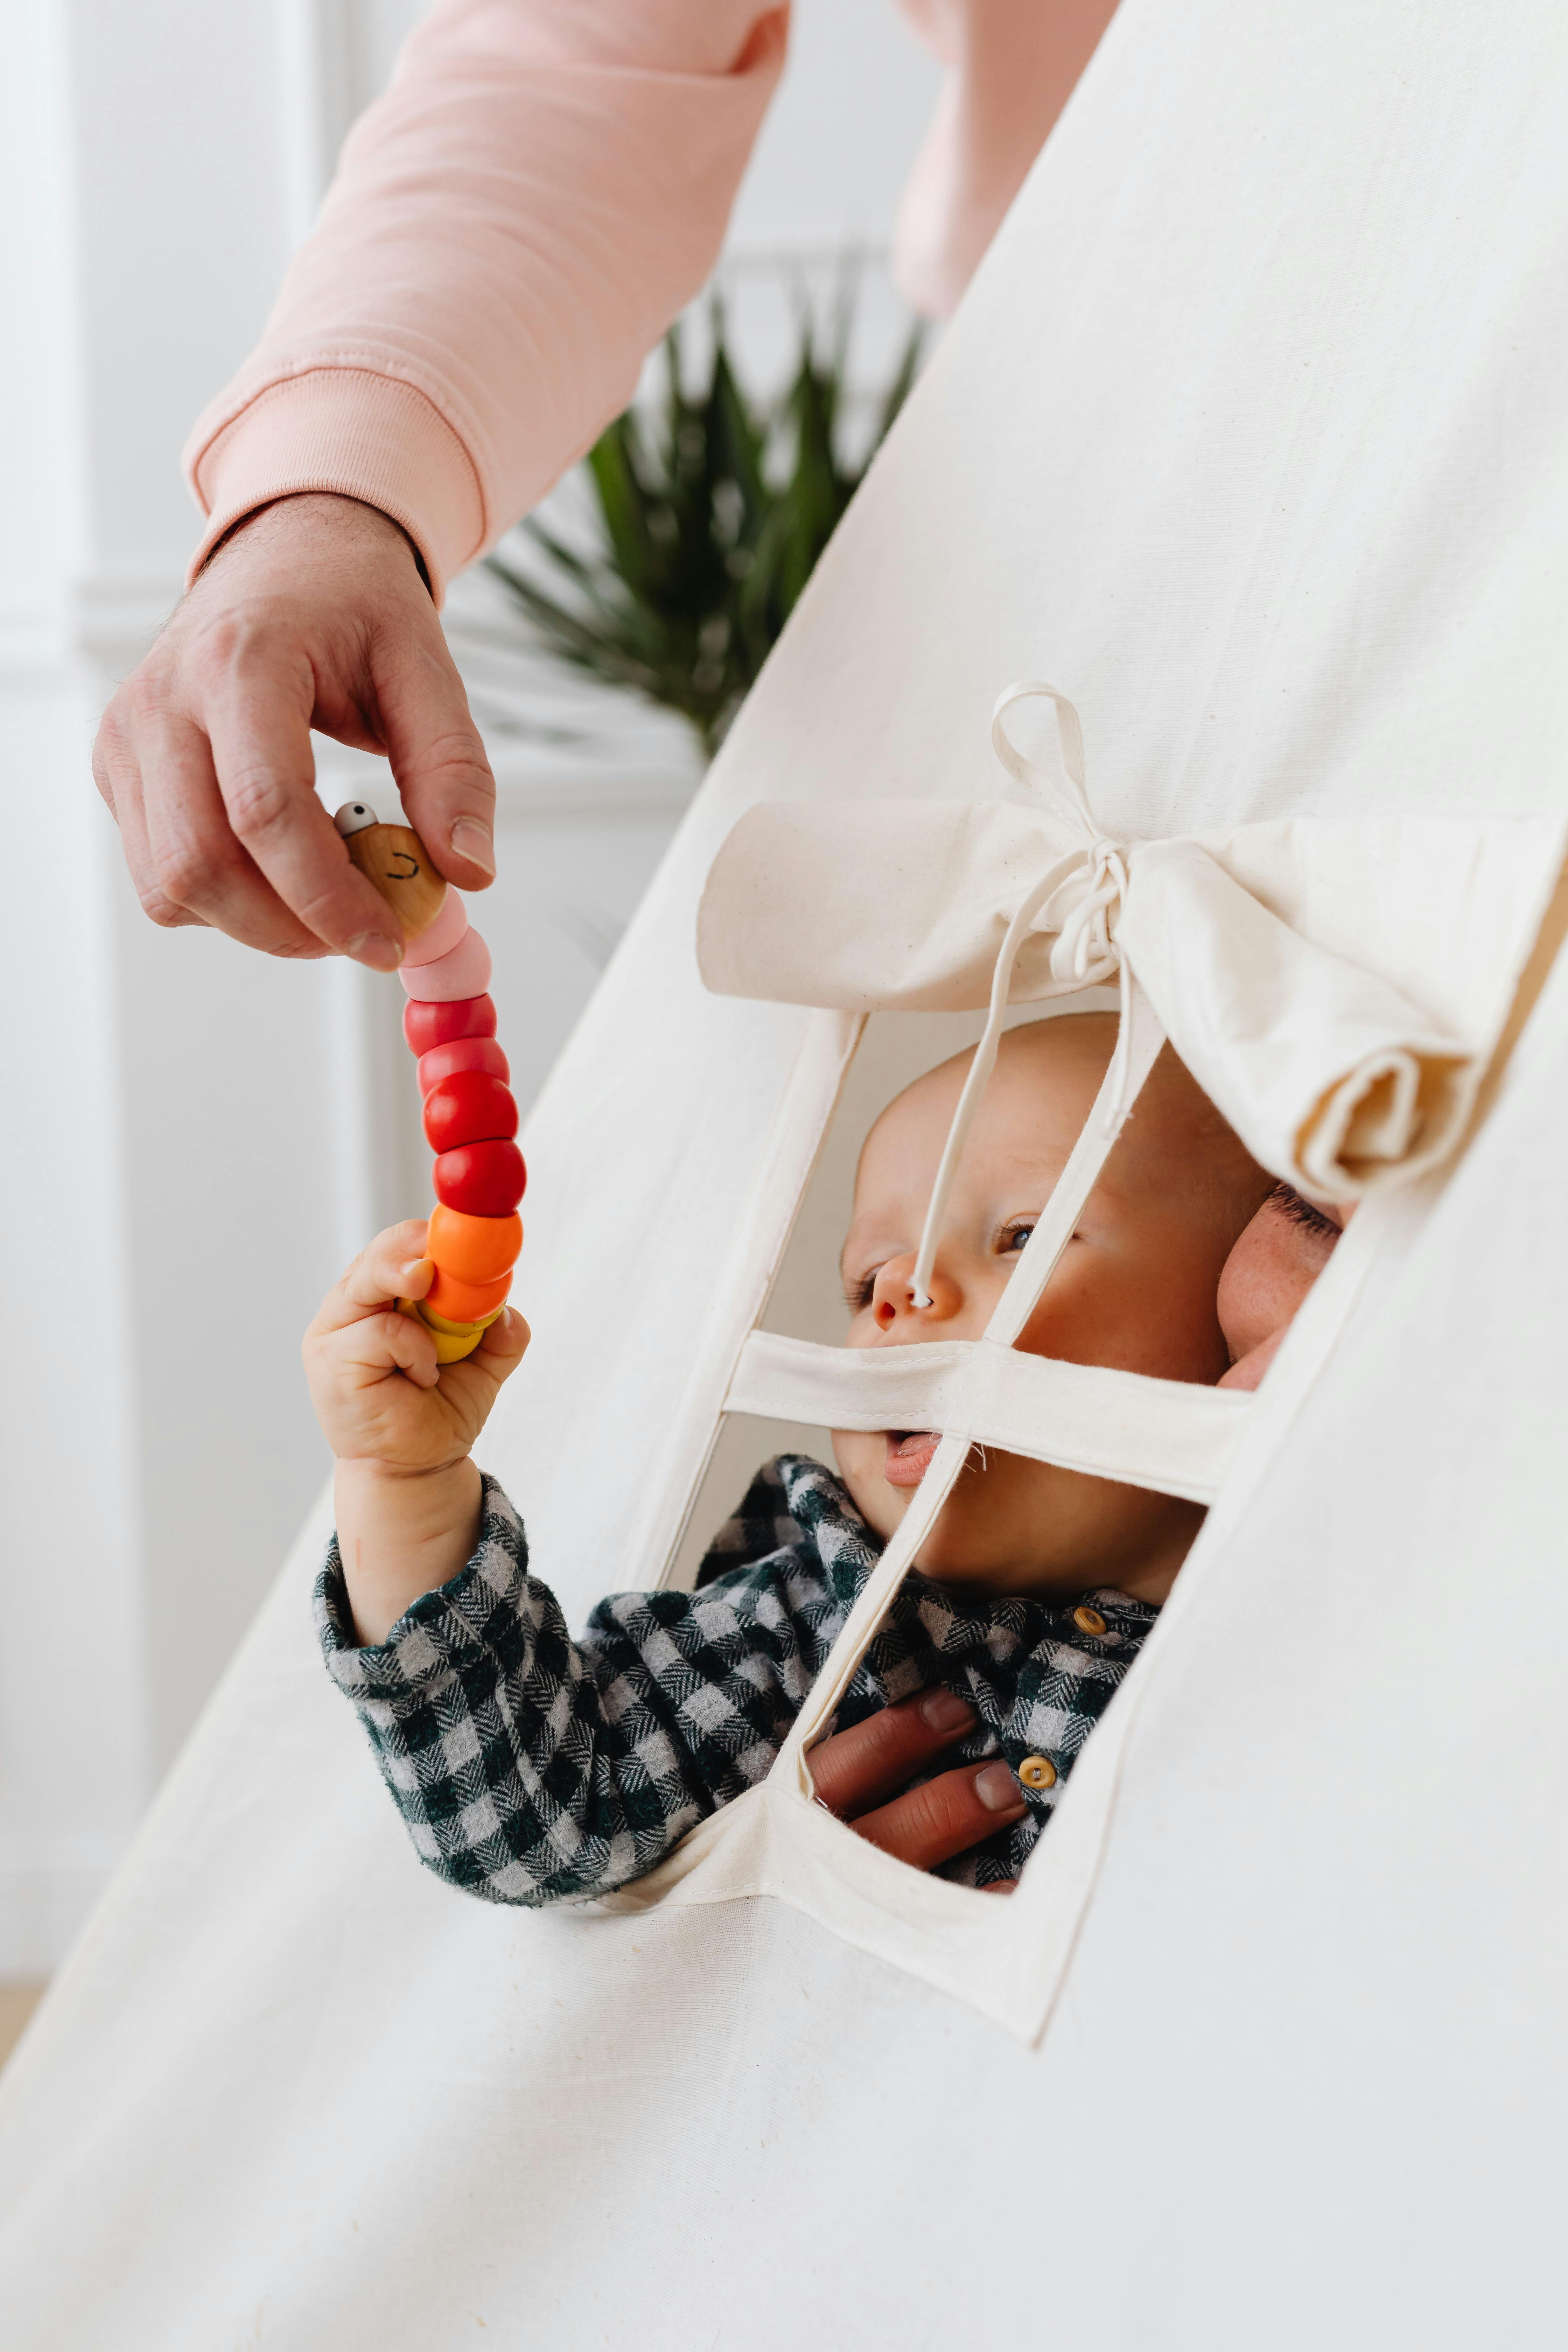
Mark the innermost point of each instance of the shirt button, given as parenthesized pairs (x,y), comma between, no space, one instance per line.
(1087,1619)
(1038,1772)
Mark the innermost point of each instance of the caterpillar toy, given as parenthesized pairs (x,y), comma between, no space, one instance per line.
(470,1115)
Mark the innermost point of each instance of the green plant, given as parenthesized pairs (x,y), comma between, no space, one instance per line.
(709,518)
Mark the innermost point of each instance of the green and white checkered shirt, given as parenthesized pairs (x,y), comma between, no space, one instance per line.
(533,1769)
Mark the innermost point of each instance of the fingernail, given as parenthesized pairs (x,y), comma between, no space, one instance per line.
(376,949)
(945,1711)
(411,1265)
(471,840)
(997,1790)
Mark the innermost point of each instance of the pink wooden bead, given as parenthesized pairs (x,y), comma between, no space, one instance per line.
(439,938)
(463,970)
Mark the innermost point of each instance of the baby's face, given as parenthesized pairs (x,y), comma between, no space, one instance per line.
(1135,1288)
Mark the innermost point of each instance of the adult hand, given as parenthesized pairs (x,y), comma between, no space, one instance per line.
(860,1772)
(311,613)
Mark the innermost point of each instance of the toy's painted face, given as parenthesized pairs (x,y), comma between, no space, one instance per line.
(1135,1288)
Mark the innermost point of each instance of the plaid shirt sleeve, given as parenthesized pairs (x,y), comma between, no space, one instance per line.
(533,1769)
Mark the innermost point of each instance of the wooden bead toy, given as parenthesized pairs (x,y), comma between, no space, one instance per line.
(425,1025)
(453,1341)
(462,1054)
(462,972)
(438,1323)
(468,1107)
(470,1116)
(483,1180)
(440,936)
(473,1249)
(465,1302)
(394,860)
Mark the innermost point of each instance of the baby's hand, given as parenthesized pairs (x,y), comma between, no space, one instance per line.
(378,1393)
(409,1497)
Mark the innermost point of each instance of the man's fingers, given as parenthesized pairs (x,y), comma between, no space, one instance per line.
(188,857)
(258,722)
(437,754)
(929,1825)
(118,776)
(872,1760)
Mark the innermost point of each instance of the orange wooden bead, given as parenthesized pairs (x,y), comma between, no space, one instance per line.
(473,1249)
(465,1302)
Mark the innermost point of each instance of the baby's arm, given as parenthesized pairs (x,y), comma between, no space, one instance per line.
(409,1494)
(527,1767)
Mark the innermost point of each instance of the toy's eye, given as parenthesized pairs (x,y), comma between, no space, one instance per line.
(354,816)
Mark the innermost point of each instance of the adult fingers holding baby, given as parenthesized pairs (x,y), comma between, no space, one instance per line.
(863,1775)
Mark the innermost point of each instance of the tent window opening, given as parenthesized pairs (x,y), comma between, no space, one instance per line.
(1001,1390)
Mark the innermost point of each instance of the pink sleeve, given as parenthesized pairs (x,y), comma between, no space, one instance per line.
(512,226)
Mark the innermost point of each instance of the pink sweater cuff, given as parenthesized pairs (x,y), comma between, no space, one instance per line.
(354,431)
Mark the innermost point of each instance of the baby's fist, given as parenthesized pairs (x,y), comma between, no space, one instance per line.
(379,1394)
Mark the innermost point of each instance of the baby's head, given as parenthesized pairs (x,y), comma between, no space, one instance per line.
(1135,1288)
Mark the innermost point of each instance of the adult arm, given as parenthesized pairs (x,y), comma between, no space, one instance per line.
(513,225)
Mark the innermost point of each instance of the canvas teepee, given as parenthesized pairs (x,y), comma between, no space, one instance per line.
(1249,438)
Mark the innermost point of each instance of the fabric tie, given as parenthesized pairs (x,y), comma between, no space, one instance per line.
(1079,898)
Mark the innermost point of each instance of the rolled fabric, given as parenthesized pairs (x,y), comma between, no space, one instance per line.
(1329,1074)
(463,971)
(440,935)
(1333,985)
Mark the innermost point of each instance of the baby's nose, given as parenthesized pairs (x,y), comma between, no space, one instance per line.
(893,1299)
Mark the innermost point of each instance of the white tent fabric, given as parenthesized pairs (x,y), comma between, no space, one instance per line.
(1251,436)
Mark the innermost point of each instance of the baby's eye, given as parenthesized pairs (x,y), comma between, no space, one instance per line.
(1016,1237)
(859,1295)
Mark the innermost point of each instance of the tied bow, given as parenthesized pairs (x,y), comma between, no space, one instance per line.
(1079,898)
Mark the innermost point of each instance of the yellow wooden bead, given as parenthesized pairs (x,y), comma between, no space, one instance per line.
(396,861)
(440,1323)
(451,1347)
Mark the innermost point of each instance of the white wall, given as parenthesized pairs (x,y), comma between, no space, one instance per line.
(198,1136)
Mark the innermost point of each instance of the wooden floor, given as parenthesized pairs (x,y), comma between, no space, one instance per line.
(17,2002)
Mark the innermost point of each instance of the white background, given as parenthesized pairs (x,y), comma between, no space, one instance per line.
(196,1135)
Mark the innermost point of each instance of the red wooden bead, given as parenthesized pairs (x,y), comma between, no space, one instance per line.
(425,1025)
(470,1107)
(462,1054)
(482,1179)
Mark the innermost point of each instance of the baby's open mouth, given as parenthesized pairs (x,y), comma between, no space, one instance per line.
(908,1455)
